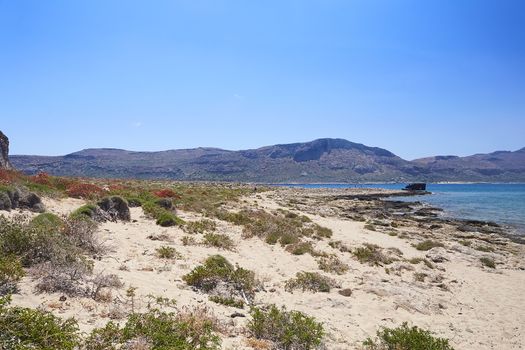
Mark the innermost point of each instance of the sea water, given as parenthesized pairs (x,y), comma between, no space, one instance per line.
(501,203)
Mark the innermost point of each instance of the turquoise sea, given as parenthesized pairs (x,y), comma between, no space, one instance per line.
(501,203)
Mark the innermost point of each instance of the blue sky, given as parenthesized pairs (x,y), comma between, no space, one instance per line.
(416,77)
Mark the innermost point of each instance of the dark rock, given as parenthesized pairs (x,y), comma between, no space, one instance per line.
(30,201)
(237,314)
(4,152)
(419,186)
(345,292)
(20,198)
(426,212)
(63,298)
(467,228)
(164,203)
(116,207)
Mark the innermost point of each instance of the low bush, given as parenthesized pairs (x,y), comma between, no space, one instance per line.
(371,254)
(10,273)
(300,248)
(85,191)
(274,227)
(310,281)
(47,221)
(166,252)
(190,329)
(55,254)
(200,226)
(227,301)
(24,328)
(41,179)
(218,277)
(406,338)
(416,261)
(332,264)
(166,193)
(188,240)
(488,262)
(163,217)
(217,240)
(486,249)
(85,212)
(286,329)
(339,245)
(428,244)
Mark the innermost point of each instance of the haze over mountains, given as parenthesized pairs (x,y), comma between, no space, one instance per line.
(322,160)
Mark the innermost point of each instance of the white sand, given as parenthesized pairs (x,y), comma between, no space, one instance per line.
(482,308)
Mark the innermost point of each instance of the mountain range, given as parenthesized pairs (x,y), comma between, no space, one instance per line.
(322,160)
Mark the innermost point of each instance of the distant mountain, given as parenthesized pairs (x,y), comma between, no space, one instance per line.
(500,165)
(322,160)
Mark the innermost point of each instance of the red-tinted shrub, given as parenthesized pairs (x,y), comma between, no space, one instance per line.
(166,193)
(84,190)
(41,178)
(10,176)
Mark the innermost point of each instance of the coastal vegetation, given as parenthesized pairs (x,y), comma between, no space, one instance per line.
(405,337)
(71,259)
(286,329)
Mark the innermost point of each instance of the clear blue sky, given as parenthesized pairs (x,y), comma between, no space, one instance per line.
(416,77)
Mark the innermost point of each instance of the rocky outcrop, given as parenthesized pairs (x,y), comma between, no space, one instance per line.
(14,198)
(4,152)
(116,207)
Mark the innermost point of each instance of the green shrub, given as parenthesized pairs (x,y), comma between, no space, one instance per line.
(87,211)
(371,254)
(486,249)
(322,232)
(166,252)
(188,330)
(219,241)
(332,264)
(416,261)
(310,281)
(300,248)
(56,256)
(33,245)
(428,244)
(24,328)
(47,221)
(286,329)
(488,262)
(163,217)
(10,273)
(227,301)
(236,282)
(274,227)
(406,338)
(188,240)
(200,226)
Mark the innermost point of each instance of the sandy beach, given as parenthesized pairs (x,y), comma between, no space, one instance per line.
(454,295)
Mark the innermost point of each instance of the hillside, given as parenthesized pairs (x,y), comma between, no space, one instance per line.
(322,160)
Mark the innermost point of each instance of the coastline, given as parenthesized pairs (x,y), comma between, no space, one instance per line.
(444,288)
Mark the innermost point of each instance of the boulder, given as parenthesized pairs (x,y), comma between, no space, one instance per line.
(437,255)
(30,201)
(116,207)
(20,198)
(4,152)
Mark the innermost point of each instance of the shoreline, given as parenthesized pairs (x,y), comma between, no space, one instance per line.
(443,288)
